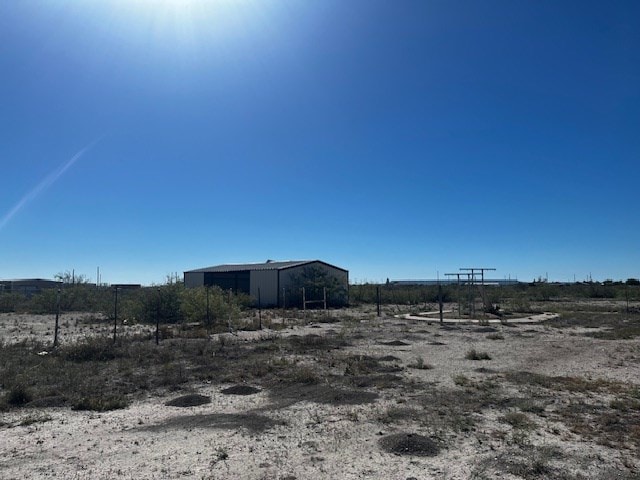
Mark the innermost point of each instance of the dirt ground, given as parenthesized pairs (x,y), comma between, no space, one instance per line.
(506,401)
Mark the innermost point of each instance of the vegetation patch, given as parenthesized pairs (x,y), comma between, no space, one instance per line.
(364,364)
(572,384)
(100,404)
(610,325)
(410,444)
(473,354)
(51,401)
(90,350)
(420,364)
(33,419)
(395,415)
(527,462)
(18,396)
(380,381)
(485,330)
(518,420)
(313,342)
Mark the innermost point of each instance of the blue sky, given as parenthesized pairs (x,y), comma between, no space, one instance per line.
(397,139)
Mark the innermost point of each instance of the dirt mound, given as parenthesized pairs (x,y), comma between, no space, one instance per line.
(191,400)
(223,421)
(410,444)
(389,358)
(486,370)
(240,390)
(395,343)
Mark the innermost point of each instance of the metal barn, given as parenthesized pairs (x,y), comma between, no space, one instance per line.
(271,279)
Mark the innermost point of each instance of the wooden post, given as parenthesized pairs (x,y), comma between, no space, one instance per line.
(626,292)
(324,293)
(440,302)
(208,314)
(158,317)
(378,298)
(229,316)
(115,314)
(459,304)
(55,334)
(304,301)
(469,295)
(259,309)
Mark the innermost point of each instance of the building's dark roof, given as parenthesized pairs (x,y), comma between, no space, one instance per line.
(270,265)
(29,280)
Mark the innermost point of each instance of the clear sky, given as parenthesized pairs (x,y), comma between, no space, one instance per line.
(396,138)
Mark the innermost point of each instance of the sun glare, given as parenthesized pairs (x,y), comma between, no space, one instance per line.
(188,24)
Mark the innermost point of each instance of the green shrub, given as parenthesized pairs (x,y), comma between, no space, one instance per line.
(18,396)
(90,350)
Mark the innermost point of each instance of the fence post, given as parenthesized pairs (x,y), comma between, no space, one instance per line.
(259,309)
(158,318)
(208,314)
(229,317)
(115,314)
(378,298)
(440,302)
(55,335)
(304,301)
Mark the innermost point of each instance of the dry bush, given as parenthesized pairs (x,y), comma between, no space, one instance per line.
(473,354)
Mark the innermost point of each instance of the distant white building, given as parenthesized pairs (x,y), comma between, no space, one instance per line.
(270,280)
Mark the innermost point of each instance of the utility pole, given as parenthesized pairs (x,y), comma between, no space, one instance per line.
(457,289)
(473,271)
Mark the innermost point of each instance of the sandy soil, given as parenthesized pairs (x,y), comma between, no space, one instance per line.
(248,437)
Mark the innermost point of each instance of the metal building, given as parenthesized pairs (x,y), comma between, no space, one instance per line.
(270,280)
(28,286)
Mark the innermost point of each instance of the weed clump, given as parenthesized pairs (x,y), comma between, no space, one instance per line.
(473,354)
(90,350)
(518,420)
(420,364)
(101,404)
